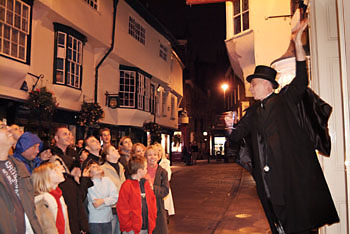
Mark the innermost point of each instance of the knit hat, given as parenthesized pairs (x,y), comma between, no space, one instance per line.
(26,141)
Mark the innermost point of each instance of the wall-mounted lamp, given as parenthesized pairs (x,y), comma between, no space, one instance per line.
(24,85)
(112,100)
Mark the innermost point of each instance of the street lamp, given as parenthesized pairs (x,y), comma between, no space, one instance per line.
(224,87)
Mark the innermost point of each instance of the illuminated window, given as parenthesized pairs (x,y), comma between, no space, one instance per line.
(92,3)
(14,29)
(137,31)
(135,89)
(147,95)
(68,56)
(240,15)
(127,88)
(140,91)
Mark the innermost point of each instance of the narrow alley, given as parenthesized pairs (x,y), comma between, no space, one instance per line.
(215,198)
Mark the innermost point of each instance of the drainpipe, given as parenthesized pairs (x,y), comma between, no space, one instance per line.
(115,2)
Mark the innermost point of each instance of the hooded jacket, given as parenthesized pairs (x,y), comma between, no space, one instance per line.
(26,141)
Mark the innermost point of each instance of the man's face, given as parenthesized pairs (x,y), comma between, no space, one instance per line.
(92,144)
(95,170)
(6,138)
(106,137)
(31,152)
(63,137)
(127,145)
(260,88)
(16,131)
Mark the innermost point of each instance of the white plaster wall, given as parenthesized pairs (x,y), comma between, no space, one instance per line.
(80,16)
(326,81)
(175,80)
(267,39)
(271,36)
(135,53)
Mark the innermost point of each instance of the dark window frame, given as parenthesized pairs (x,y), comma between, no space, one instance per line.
(69,32)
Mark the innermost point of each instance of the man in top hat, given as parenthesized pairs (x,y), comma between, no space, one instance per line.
(289,180)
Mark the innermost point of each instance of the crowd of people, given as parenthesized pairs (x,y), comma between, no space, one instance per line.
(92,186)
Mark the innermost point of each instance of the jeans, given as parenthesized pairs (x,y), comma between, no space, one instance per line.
(100,228)
(115,225)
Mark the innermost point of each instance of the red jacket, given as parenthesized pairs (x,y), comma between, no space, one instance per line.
(129,207)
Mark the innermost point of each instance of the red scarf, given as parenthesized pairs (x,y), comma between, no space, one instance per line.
(60,223)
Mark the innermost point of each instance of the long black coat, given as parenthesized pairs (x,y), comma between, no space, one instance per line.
(294,181)
(161,190)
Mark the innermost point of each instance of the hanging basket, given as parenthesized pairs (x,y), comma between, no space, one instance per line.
(41,104)
(90,113)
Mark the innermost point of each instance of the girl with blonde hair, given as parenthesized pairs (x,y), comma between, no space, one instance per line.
(138,150)
(51,208)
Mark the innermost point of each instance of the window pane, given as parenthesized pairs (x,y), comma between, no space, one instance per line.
(72,68)
(77,69)
(25,27)
(6,47)
(21,52)
(72,78)
(7,32)
(237,24)
(236,7)
(2,13)
(59,77)
(2,2)
(9,17)
(14,49)
(69,43)
(245,5)
(0,44)
(14,35)
(22,39)
(69,54)
(18,8)
(25,12)
(17,21)
(61,39)
(10,4)
(246,21)
(59,63)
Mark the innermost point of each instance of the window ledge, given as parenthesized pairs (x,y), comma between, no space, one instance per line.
(242,34)
(66,92)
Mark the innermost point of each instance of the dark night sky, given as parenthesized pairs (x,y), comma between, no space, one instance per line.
(204,26)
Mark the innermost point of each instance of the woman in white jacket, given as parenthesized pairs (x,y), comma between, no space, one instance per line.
(51,208)
(165,163)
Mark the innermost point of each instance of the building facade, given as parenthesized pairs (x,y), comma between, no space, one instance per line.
(110,52)
(258,32)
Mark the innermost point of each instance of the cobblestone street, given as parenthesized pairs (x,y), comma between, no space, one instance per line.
(215,198)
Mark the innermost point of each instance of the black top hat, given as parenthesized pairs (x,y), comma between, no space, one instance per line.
(264,72)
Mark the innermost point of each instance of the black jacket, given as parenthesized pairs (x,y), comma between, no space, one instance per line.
(293,180)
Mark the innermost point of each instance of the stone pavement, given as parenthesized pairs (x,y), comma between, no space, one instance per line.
(215,198)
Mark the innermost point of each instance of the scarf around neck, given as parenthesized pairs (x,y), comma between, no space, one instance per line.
(60,223)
